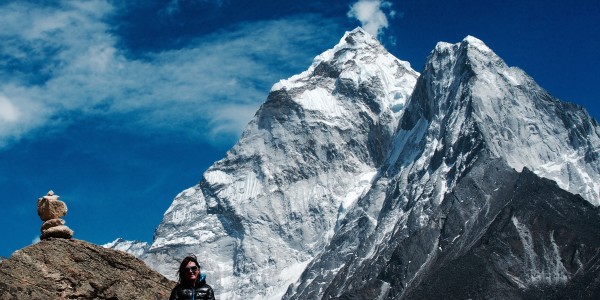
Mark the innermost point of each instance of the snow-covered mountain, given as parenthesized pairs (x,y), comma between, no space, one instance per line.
(468,111)
(356,179)
(262,213)
(135,248)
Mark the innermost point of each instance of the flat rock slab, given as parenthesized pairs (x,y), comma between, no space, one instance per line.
(60,231)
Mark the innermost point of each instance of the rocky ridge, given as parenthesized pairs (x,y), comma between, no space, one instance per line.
(540,242)
(56,268)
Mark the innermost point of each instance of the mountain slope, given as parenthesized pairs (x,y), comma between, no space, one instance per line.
(467,106)
(263,212)
(345,187)
(543,243)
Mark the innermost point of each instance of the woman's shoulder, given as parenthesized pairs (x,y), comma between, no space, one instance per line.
(205,285)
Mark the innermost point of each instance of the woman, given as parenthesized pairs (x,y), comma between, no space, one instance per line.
(191,283)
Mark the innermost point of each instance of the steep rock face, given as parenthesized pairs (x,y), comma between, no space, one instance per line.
(517,120)
(467,106)
(73,269)
(542,243)
(263,212)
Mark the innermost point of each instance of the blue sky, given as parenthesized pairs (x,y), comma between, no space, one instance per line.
(117,106)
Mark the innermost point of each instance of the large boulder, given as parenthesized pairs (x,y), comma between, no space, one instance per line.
(74,269)
(49,207)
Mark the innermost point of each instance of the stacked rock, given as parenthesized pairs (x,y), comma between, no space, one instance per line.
(51,210)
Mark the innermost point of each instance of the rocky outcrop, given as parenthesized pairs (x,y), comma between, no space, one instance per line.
(541,243)
(51,210)
(72,269)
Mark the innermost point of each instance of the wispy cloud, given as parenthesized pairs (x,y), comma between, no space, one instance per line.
(175,6)
(371,15)
(63,63)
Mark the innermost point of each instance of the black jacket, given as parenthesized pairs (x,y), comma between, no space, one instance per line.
(202,291)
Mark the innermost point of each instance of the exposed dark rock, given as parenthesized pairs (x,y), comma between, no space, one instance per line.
(73,269)
(543,243)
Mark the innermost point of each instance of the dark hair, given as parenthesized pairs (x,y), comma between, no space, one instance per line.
(184,263)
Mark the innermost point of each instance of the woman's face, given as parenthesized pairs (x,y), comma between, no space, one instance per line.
(191,271)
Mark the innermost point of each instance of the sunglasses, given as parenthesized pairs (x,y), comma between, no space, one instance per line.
(190,269)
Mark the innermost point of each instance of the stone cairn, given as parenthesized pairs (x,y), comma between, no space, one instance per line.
(51,210)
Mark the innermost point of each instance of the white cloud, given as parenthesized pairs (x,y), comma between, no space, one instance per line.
(371,15)
(8,111)
(64,62)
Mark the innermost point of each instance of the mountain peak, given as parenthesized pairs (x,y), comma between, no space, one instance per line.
(358,34)
(475,42)
(471,52)
(500,99)
(357,39)
(359,58)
